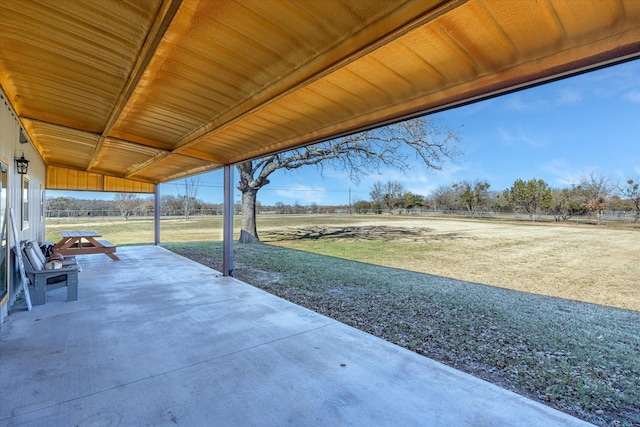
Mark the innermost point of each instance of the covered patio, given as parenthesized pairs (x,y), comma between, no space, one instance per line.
(123,96)
(157,339)
(116,96)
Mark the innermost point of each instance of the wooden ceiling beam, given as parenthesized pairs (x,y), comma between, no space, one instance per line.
(147,52)
(349,50)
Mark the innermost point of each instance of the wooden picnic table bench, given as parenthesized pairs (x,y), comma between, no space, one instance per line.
(84,242)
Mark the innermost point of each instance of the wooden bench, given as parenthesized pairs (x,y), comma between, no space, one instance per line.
(107,244)
(43,280)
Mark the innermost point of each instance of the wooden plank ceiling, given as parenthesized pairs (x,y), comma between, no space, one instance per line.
(147,91)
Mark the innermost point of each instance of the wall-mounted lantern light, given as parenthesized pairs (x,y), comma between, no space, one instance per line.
(22,165)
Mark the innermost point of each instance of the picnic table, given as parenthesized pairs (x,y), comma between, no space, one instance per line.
(84,242)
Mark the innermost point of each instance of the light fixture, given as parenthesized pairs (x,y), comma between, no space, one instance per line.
(23,165)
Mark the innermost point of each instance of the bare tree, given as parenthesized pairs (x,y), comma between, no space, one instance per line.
(595,185)
(358,154)
(126,203)
(388,194)
(631,191)
(190,195)
(446,197)
(596,188)
(567,202)
(170,204)
(597,206)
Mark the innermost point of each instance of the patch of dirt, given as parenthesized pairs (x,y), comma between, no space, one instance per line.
(365,232)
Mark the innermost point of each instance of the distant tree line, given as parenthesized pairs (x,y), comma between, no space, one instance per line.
(133,204)
(592,195)
(129,205)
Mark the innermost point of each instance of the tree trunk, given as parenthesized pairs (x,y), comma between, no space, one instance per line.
(249,231)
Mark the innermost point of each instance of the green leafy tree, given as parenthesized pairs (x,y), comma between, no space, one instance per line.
(362,207)
(473,195)
(412,201)
(532,197)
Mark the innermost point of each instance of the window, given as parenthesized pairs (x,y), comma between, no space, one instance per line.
(25,202)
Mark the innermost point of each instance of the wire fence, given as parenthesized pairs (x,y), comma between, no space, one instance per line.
(608,216)
(113,213)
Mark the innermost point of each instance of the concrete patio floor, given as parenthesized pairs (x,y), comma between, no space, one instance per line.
(156,339)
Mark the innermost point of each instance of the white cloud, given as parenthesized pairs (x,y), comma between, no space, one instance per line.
(552,98)
(505,136)
(418,180)
(633,96)
(331,173)
(565,175)
(474,108)
(302,194)
(519,136)
(568,96)
(519,104)
(620,81)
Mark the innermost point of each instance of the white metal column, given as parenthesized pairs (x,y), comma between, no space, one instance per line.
(227,233)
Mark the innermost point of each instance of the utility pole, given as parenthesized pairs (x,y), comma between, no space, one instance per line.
(350,212)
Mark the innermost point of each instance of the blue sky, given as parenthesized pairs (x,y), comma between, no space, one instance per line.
(557,132)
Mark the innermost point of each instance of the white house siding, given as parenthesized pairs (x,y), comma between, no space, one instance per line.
(10,148)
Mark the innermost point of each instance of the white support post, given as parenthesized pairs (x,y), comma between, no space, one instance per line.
(227,220)
(156,215)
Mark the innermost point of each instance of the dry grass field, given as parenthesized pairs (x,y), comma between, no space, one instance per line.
(585,263)
(597,264)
